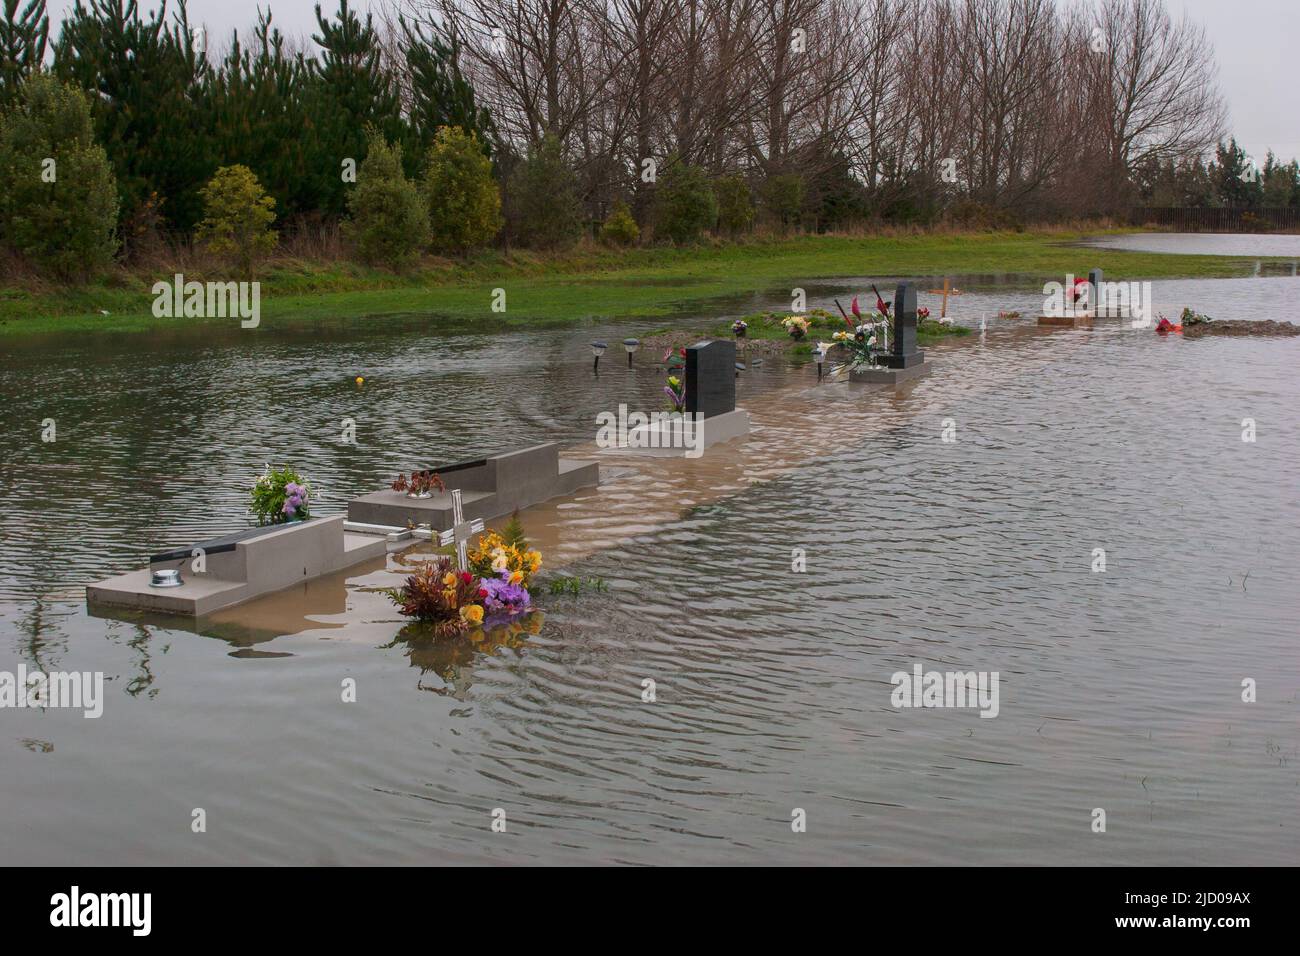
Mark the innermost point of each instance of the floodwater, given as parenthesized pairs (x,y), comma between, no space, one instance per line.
(1205,243)
(1119,689)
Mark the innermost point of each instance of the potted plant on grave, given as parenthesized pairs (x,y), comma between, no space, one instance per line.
(796,325)
(280,495)
(420,484)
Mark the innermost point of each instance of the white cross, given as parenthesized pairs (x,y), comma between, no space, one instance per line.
(460,531)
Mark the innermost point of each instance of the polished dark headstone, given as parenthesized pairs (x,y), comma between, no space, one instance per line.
(711,378)
(903,352)
(1095,302)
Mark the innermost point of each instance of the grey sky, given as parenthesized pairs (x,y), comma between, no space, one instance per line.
(1257,41)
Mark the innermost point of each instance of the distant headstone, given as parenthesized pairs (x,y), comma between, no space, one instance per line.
(1095,292)
(904,353)
(711,378)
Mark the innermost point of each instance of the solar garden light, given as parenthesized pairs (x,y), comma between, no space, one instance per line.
(820,355)
(631,345)
(597,349)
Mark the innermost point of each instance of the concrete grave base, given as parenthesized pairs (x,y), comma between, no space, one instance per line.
(489,488)
(661,438)
(242,566)
(889,376)
(1066,321)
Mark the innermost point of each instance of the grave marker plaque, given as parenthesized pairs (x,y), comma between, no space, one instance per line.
(1095,293)
(711,378)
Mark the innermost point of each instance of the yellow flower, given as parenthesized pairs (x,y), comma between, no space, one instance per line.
(535,559)
(500,563)
(471,614)
(516,577)
(449,596)
(449,580)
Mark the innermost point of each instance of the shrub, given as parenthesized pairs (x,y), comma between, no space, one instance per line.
(59,205)
(388,220)
(619,228)
(462,196)
(687,206)
(735,208)
(237,217)
(544,198)
(783,198)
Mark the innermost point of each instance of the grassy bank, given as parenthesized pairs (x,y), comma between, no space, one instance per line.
(588,283)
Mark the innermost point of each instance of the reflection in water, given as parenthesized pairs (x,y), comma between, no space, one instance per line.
(453,659)
(1247,245)
(1119,690)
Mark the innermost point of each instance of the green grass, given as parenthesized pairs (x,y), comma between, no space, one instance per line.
(586,284)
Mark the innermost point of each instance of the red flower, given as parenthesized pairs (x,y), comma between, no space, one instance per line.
(482,593)
(854,307)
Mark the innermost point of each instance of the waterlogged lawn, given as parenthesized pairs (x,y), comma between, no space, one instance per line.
(588,283)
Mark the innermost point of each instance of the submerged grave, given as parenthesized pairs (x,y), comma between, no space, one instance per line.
(219,573)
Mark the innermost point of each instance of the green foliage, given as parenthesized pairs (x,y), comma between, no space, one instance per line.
(735,208)
(147,91)
(237,217)
(513,533)
(440,94)
(23,37)
(273,496)
(1235,179)
(543,195)
(388,220)
(260,119)
(462,196)
(59,205)
(619,228)
(576,585)
(349,93)
(1190,318)
(687,206)
(783,198)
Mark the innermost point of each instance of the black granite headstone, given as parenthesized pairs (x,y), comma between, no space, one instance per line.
(1095,292)
(903,353)
(711,378)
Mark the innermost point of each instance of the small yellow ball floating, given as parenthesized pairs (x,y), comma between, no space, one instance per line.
(360,380)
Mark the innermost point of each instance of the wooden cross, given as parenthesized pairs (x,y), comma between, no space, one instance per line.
(460,531)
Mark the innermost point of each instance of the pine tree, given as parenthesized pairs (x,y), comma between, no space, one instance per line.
(147,87)
(59,205)
(513,533)
(23,37)
(440,94)
(388,220)
(349,92)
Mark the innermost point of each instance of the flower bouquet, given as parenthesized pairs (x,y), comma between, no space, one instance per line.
(495,554)
(438,595)
(676,392)
(278,496)
(796,325)
(739,327)
(421,484)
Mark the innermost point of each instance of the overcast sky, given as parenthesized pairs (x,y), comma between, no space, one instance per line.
(1258,44)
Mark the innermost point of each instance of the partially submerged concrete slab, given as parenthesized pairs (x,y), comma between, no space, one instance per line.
(889,376)
(489,487)
(236,568)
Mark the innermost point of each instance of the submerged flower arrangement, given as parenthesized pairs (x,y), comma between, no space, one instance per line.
(796,325)
(421,484)
(676,392)
(437,594)
(278,496)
